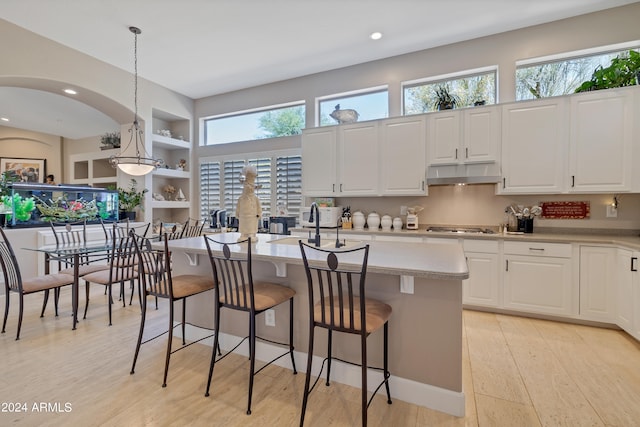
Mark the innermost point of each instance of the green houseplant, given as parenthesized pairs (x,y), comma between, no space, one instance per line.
(444,99)
(129,199)
(623,71)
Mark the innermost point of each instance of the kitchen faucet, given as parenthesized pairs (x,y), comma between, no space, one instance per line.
(316,239)
(338,244)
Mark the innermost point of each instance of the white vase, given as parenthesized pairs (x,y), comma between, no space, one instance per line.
(386,223)
(397,223)
(373,221)
(358,220)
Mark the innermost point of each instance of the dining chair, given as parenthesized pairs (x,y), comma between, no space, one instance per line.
(193,227)
(122,267)
(14,283)
(158,281)
(336,282)
(236,290)
(73,233)
(170,230)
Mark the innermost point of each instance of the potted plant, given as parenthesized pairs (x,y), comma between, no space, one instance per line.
(110,140)
(444,99)
(623,71)
(130,199)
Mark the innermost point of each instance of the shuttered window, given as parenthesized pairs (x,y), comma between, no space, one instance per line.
(279,180)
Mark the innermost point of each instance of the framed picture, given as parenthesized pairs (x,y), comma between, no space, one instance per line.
(26,170)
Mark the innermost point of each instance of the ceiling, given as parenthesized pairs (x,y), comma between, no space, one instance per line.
(205,47)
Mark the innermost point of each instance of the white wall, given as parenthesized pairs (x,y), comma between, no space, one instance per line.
(473,205)
(32,145)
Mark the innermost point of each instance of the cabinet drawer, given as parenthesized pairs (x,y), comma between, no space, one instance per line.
(561,250)
(482,246)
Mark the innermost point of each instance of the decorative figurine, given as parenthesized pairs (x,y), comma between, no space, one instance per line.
(344,116)
(180,196)
(249,209)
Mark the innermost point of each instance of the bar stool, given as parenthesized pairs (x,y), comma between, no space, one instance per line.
(336,279)
(156,278)
(235,289)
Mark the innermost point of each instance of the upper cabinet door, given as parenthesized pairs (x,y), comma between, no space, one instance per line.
(319,162)
(358,159)
(601,141)
(534,141)
(403,157)
(481,134)
(445,131)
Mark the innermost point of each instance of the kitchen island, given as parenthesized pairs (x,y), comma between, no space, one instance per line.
(422,283)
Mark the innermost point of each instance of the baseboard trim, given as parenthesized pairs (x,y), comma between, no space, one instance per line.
(409,391)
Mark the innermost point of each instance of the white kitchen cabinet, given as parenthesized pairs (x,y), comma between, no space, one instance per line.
(538,278)
(482,288)
(403,156)
(598,295)
(534,146)
(319,162)
(358,159)
(601,141)
(628,292)
(471,135)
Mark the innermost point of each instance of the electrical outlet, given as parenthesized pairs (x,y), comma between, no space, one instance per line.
(270,317)
(612,211)
(403,210)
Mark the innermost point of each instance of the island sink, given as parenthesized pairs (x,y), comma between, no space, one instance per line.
(327,244)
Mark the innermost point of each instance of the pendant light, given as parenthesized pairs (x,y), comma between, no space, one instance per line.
(141,163)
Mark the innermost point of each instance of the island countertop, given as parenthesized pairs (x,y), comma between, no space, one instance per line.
(427,260)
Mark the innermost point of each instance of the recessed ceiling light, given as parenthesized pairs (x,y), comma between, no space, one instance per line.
(376,35)
(70,91)
(4,119)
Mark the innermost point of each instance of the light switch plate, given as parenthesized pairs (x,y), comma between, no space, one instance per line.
(270,317)
(612,212)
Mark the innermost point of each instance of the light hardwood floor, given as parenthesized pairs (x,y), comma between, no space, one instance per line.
(517,372)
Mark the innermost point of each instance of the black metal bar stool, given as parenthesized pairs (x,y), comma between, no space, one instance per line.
(337,302)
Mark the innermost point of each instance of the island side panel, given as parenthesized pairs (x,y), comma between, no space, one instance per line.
(425,330)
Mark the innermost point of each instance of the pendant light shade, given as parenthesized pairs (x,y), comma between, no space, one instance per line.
(133,159)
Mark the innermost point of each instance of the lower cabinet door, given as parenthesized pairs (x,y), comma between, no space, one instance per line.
(538,284)
(481,288)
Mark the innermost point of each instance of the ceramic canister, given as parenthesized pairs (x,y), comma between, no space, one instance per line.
(397,223)
(386,222)
(358,220)
(373,221)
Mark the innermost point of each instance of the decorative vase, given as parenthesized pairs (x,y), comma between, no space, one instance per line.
(386,223)
(397,223)
(373,221)
(358,220)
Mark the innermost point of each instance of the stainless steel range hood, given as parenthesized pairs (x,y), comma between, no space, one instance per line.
(477,173)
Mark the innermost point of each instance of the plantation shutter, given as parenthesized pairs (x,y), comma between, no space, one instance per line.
(209,188)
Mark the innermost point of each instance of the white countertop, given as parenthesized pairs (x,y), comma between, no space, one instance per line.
(428,260)
(623,238)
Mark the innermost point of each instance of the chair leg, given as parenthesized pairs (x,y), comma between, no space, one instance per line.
(86,300)
(363,358)
(20,312)
(44,302)
(110,302)
(329,352)
(132,288)
(252,355)
(184,311)
(216,343)
(56,294)
(6,311)
(307,381)
(293,362)
(169,342)
(386,362)
(135,356)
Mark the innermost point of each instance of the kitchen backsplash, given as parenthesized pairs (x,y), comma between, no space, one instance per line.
(479,205)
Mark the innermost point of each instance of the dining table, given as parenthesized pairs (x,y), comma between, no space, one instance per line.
(75,254)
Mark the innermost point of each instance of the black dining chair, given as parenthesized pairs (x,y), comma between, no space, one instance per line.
(14,283)
(336,281)
(157,280)
(235,289)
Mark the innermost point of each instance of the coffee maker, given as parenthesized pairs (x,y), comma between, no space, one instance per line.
(218,219)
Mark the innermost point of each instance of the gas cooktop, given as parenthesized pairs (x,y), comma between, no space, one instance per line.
(462,230)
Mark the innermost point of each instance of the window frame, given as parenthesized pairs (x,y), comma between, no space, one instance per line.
(443,78)
(264,109)
(352,93)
